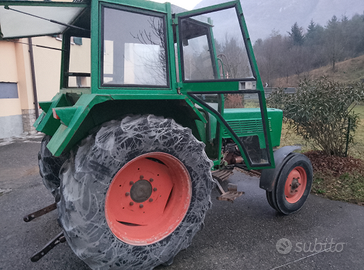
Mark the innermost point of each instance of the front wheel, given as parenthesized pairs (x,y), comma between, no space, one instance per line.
(293,185)
(135,193)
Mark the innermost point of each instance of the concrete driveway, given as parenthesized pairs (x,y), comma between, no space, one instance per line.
(246,234)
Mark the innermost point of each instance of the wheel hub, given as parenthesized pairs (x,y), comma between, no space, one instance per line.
(141,191)
(295,184)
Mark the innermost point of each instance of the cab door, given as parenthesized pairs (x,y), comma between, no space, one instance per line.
(218,71)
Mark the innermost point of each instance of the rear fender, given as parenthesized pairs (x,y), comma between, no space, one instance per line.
(91,110)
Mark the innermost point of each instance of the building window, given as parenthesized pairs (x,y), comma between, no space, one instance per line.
(8,90)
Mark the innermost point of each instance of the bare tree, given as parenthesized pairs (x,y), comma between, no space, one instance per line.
(334,42)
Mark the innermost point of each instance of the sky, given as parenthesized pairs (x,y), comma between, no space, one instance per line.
(187,4)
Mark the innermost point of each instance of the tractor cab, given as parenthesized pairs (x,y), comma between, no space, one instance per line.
(154,52)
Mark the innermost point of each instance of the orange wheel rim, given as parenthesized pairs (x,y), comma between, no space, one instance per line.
(295,184)
(148,198)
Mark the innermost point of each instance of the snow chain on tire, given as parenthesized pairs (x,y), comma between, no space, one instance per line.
(49,166)
(86,176)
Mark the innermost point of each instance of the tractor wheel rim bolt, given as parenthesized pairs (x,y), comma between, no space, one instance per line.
(141,206)
(155,189)
(131,183)
(127,194)
(151,180)
(131,203)
(150,200)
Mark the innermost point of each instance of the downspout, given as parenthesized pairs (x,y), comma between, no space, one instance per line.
(32,70)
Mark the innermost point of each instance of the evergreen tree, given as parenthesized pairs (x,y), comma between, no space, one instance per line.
(355,35)
(297,35)
(314,42)
(314,35)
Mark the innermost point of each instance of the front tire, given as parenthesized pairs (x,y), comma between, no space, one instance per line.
(123,157)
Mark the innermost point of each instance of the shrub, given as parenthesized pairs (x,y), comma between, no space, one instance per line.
(321,112)
(234,101)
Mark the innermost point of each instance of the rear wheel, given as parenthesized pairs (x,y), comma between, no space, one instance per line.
(135,193)
(292,186)
(49,166)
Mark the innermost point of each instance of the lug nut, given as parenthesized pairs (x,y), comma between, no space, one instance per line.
(131,183)
(127,194)
(155,189)
(141,205)
(150,200)
(131,203)
(151,180)
(141,177)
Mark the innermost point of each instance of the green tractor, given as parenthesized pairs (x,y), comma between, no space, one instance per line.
(166,105)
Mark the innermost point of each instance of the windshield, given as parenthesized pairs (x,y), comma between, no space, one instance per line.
(213,48)
(134,49)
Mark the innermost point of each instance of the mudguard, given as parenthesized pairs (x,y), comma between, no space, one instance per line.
(269,176)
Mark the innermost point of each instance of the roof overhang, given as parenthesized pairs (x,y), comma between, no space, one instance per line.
(34,18)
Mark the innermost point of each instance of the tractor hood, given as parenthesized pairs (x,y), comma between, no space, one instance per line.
(34,18)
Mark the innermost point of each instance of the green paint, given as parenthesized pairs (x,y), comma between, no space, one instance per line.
(45,106)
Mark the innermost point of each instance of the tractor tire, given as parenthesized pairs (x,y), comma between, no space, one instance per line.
(269,197)
(49,166)
(134,193)
(292,186)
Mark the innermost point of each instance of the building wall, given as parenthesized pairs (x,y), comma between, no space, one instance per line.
(10,108)
(17,115)
(47,67)
(17,112)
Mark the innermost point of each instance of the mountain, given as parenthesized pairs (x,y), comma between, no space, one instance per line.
(264,16)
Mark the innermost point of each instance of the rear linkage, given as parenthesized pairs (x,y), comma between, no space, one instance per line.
(51,244)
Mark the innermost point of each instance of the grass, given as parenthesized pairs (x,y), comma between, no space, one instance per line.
(347,186)
(289,137)
(357,148)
